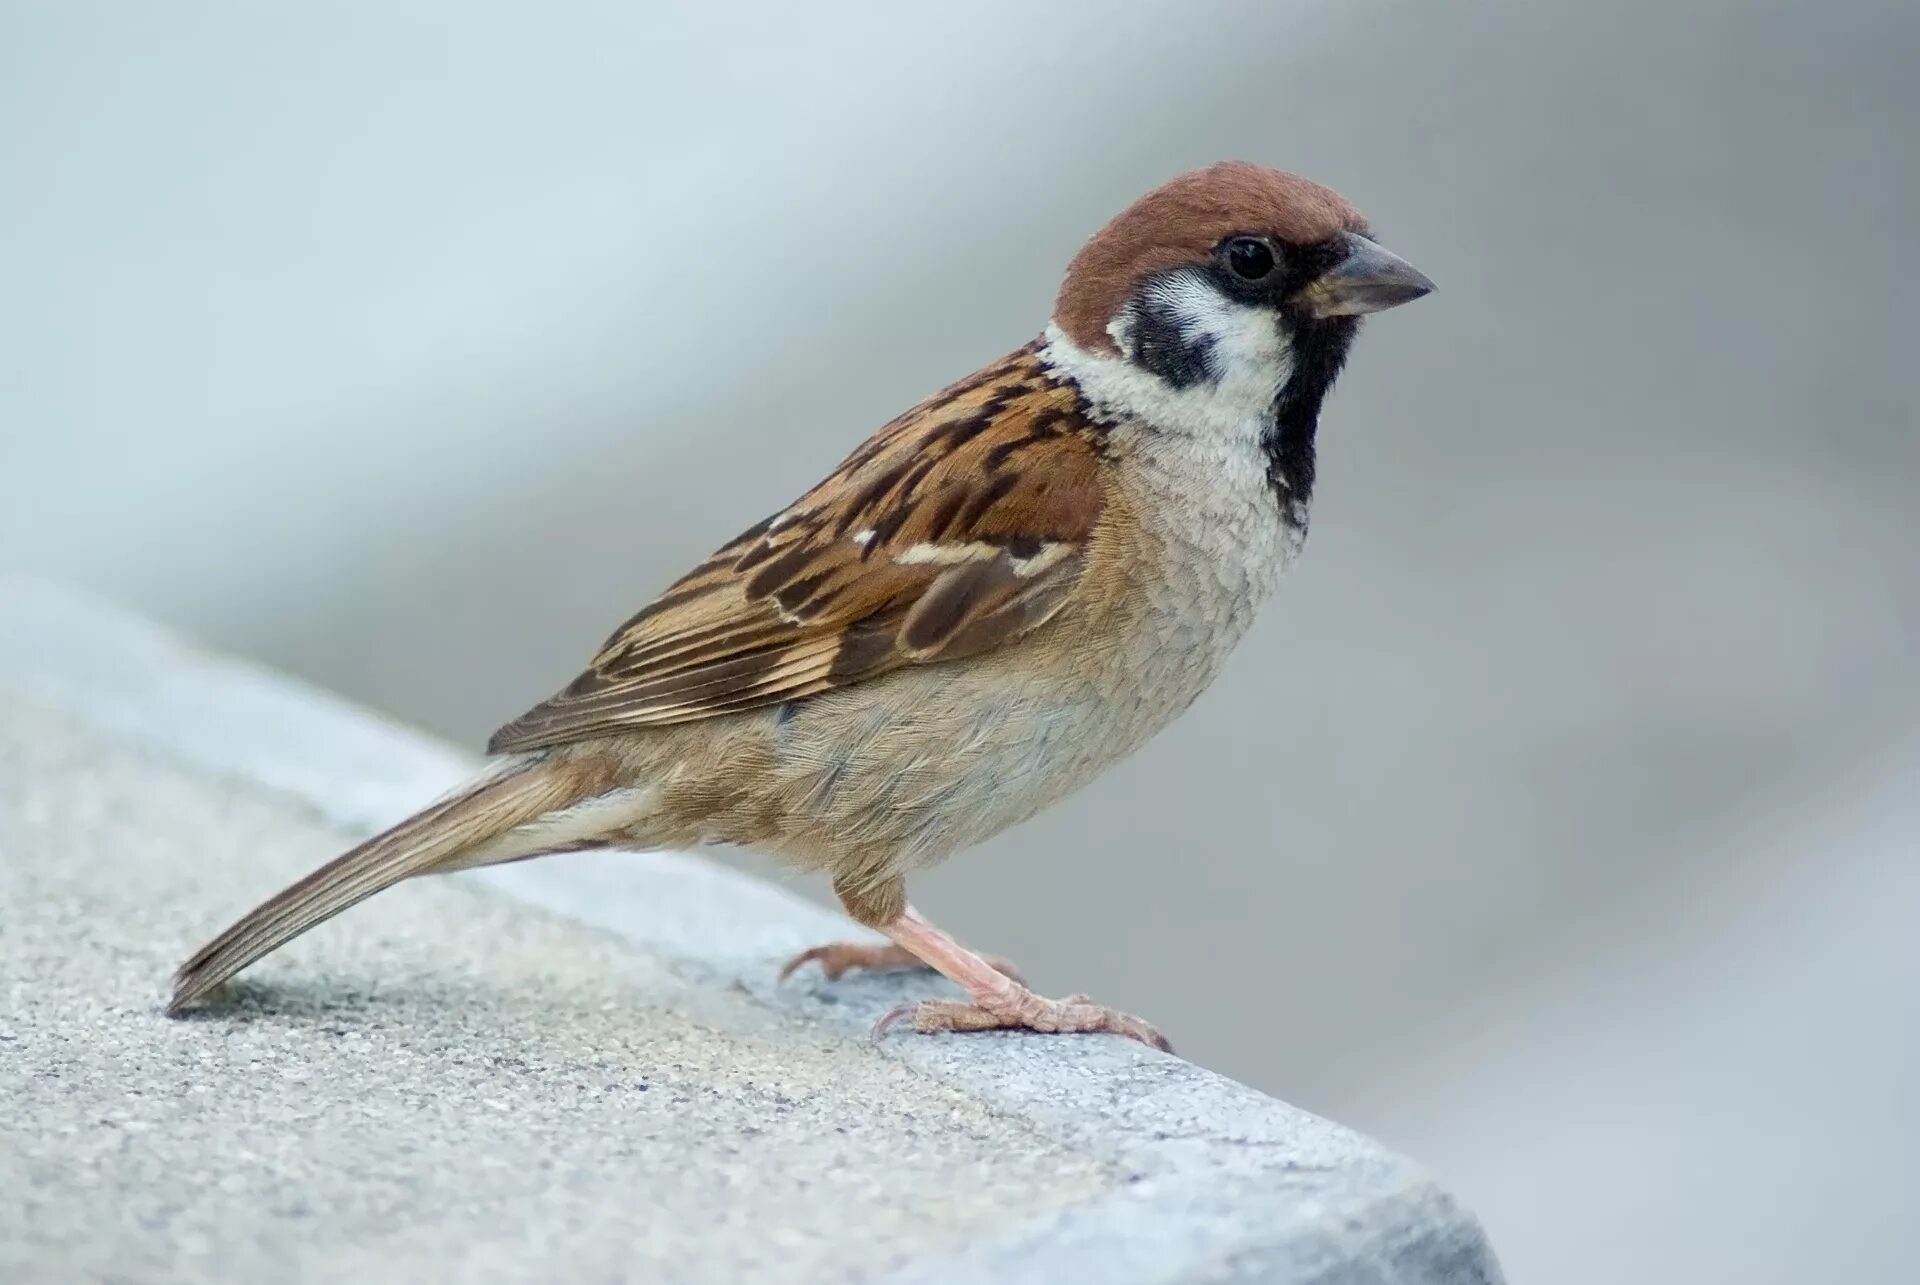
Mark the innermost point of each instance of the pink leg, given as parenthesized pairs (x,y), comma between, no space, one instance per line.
(842,957)
(995,1001)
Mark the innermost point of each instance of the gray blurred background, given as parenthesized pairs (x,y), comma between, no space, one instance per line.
(1558,824)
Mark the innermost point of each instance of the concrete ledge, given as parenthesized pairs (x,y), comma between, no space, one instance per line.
(149,791)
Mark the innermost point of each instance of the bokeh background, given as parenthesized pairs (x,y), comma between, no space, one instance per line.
(1558,824)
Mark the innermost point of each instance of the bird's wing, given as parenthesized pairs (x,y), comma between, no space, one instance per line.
(960,525)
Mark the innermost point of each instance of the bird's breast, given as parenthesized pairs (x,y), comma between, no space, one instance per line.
(1208,543)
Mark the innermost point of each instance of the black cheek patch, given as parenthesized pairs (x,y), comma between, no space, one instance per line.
(1159,346)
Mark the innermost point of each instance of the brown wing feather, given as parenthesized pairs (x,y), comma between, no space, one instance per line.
(958,526)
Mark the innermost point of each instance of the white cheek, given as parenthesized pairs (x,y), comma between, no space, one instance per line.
(1248,357)
(1247,347)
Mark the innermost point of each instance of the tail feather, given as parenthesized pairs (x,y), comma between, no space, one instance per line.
(435,839)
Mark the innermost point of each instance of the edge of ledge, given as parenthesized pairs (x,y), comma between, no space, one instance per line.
(1223,1184)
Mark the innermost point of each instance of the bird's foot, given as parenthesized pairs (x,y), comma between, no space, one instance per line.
(841,957)
(1021,1009)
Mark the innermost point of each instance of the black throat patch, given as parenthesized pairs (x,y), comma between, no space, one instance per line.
(1319,350)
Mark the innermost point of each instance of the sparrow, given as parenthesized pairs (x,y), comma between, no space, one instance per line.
(1000,594)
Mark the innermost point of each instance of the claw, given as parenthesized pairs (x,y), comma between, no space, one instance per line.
(820,953)
(893,1015)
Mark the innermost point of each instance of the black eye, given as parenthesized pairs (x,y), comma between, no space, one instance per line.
(1249,258)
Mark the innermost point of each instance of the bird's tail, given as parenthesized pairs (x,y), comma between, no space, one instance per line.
(469,827)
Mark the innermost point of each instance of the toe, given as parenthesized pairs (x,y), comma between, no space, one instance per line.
(836,959)
(821,954)
(1097,1017)
(940,1016)
(1135,1029)
(1025,1011)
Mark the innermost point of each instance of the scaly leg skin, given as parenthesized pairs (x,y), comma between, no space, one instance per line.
(995,1000)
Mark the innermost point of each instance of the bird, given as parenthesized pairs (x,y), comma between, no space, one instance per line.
(1003,592)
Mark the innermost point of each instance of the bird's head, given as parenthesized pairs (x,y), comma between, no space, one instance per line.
(1234,285)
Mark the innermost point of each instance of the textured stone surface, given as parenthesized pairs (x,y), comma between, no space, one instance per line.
(446,1079)
(450,1083)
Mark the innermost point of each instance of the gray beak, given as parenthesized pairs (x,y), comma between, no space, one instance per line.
(1369,279)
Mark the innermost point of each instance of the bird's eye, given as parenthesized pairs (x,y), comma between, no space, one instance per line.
(1249,258)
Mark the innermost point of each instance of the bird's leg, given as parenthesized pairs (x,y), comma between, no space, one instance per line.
(997,997)
(995,1001)
(873,903)
(841,957)
(876,906)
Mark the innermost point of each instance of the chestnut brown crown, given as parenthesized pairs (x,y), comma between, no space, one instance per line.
(1180,223)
